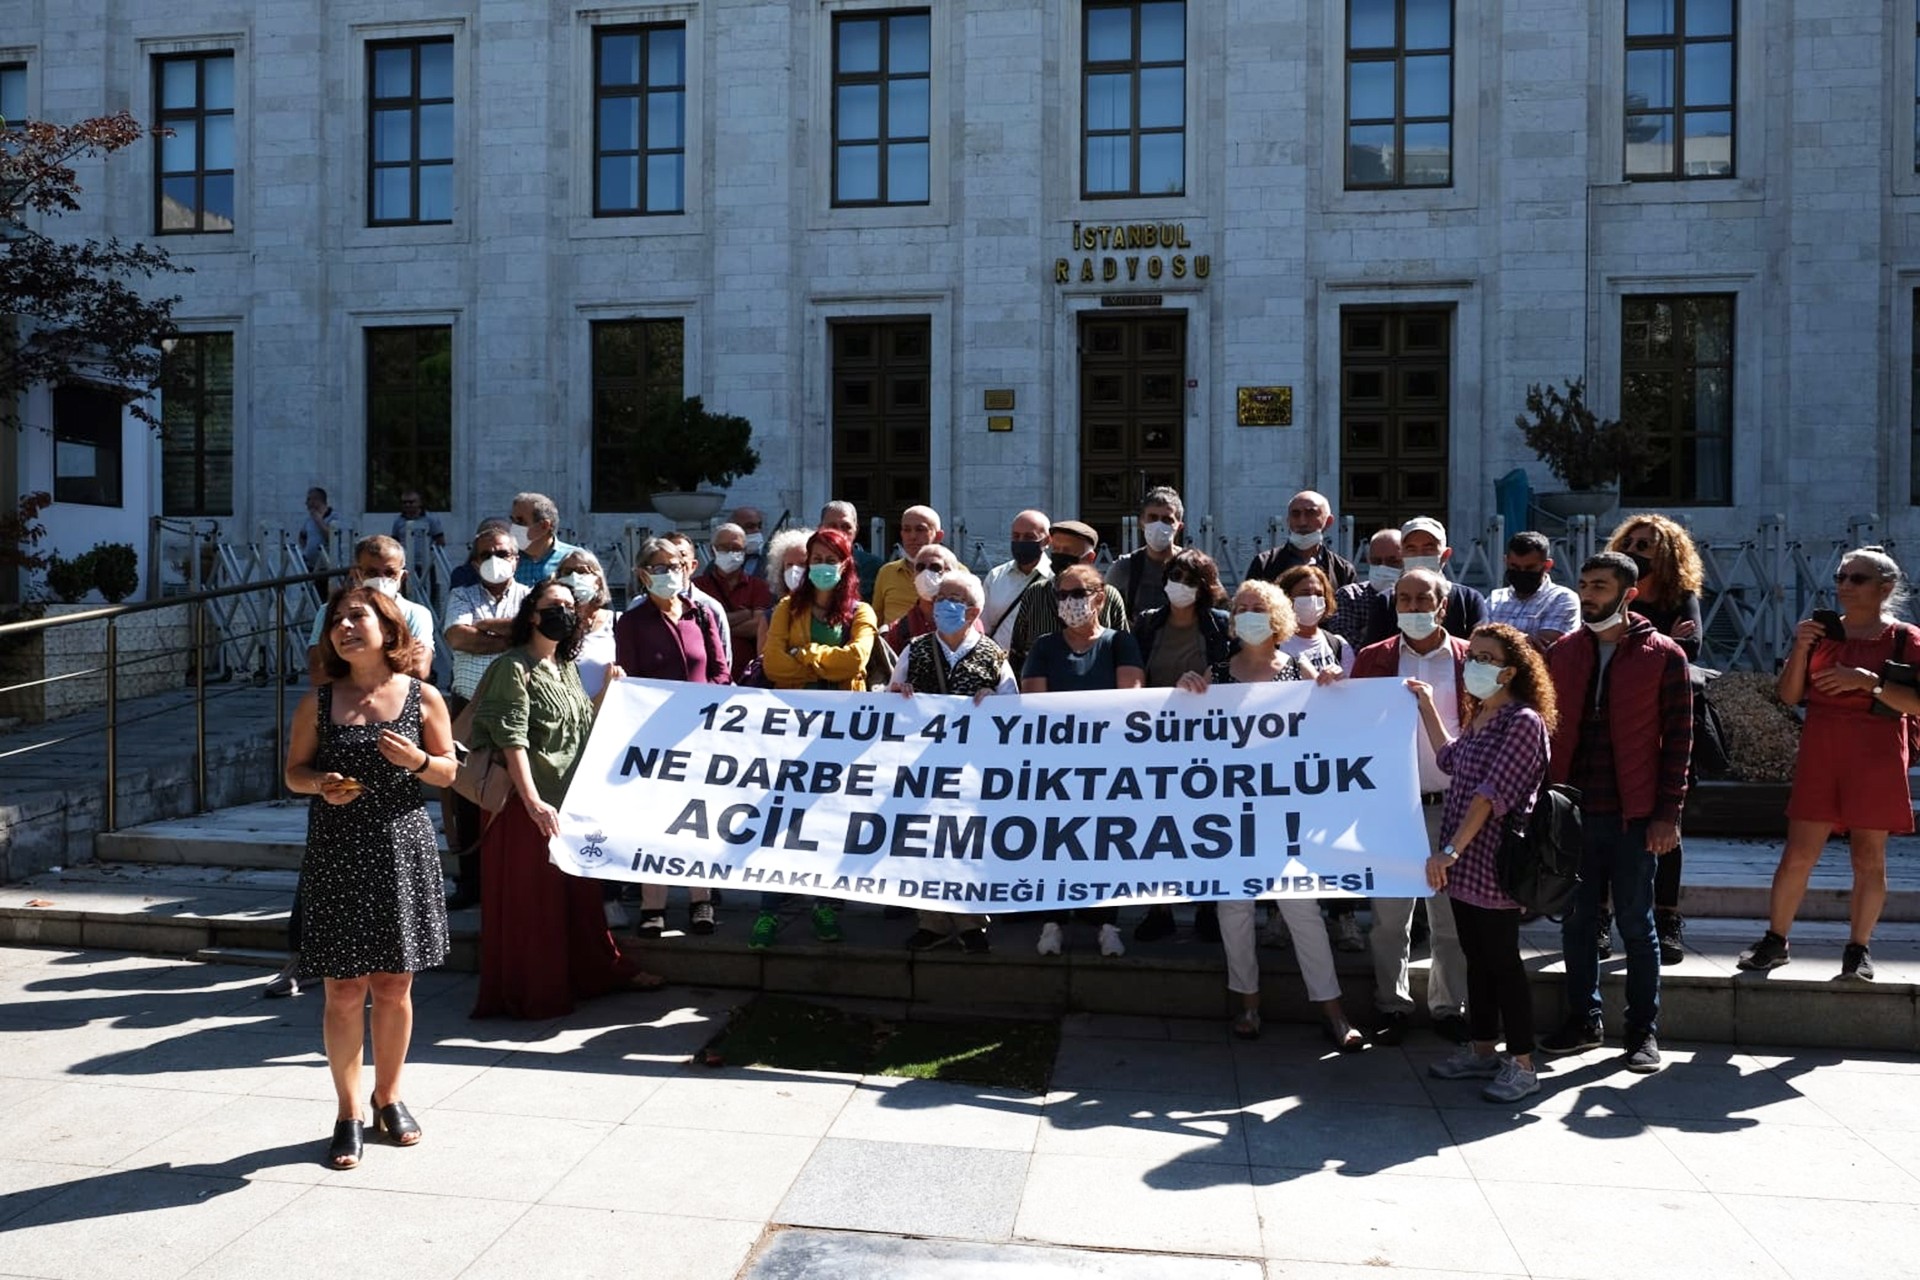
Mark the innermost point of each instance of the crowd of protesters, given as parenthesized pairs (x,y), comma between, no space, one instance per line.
(1541,683)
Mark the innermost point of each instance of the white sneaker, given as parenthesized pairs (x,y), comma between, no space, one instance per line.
(1512,1084)
(1049,944)
(1110,944)
(616,915)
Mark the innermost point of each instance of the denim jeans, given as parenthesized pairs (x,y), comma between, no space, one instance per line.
(1615,856)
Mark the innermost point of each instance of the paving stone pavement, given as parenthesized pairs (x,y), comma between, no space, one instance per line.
(161,1120)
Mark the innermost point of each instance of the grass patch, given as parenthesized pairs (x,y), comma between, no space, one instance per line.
(773,1031)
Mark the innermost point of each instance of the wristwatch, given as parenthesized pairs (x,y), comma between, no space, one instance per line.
(1877,690)
(1450,853)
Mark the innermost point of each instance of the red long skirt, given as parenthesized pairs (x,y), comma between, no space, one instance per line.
(544,942)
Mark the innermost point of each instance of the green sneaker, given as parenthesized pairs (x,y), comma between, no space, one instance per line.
(826,926)
(765,925)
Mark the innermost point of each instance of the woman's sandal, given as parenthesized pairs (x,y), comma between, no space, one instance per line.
(1247,1025)
(397,1123)
(349,1139)
(1348,1041)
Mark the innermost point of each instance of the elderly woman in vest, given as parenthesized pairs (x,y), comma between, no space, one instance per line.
(954,658)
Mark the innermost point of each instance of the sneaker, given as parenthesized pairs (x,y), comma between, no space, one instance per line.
(617,918)
(1346,933)
(765,925)
(700,918)
(1206,922)
(1603,945)
(974,942)
(652,926)
(826,925)
(927,940)
(1512,1084)
(1467,1065)
(1110,944)
(1643,1053)
(1667,926)
(1856,962)
(1576,1035)
(1049,944)
(1155,925)
(1387,1028)
(1451,1026)
(1770,952)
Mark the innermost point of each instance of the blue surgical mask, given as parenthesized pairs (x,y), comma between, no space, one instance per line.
(824,577)
(949,616)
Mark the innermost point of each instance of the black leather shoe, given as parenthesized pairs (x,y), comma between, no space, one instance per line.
(349,1140)
(1388,1028)
(396,1122)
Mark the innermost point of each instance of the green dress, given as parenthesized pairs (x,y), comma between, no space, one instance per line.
(540,706)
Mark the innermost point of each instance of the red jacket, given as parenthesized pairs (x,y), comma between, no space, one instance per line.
(1383,659)
(1649,713)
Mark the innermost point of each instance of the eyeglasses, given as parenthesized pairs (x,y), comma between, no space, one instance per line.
(497,554)
(662,568)
(1486,660)
(1857,579)
(1075,593)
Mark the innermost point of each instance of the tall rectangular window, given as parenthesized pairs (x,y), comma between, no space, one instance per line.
(1676,377)
(882,79)
(409,415)
(13,94)
(87,444)
(410,132)
(1134,100)
(1680,89)
(640,120)
(638,373)
(196,425)
(193,169)
(1399,93)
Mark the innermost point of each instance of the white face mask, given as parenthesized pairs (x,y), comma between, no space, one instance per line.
(1612,620)
(755,541)
(795,575)
(1418,626)
(494,571)
(1482,680)
(1159,535)
(583,585)
(1383,576)
(388,587)
(729,561)
(521,538)
(1309,609)
(663,584)
(927,582)
(1077,612)
(1420,562)
(1306,541)
(1253,628)
(1181,595)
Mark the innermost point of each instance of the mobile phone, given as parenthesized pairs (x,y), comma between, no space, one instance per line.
(1830,622)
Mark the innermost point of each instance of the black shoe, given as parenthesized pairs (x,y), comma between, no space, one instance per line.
(1155,925)
(927,940)
(1576,1035)
(652,926)
(1667,926)
(1770,952)
(700,918)
(349,1141)
(1856,962)
(1643,1053)
(1603,945)
(974,942)
(288,982)
(1387,1029)
(1206,922)
(1452,1027)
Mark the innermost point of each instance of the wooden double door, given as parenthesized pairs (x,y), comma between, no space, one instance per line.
(1133,379)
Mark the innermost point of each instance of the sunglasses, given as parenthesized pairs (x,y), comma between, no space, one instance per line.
(501,555)
(1074,593)
(1642,544)
(1857,579)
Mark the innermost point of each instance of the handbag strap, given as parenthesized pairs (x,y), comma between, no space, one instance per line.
(939,662)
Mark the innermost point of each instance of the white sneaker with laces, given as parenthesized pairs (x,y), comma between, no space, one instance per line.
(1049,944)
(1110,943)
(1512,1084)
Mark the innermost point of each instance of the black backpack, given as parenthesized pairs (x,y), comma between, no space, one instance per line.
(1540,856)
(1710,759)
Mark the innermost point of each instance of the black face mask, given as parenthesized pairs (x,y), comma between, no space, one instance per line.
(1526,581)
(557,623)
(1026,552)
(1062,560)
(1640,562)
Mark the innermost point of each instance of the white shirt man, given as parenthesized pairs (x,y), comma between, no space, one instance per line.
(1005,582)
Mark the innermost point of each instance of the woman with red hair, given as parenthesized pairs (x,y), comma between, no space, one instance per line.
(820,637)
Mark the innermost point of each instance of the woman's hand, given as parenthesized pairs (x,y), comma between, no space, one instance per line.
(1834,680)
(904,690)
(403,753)
(1422,692)
(981,694)
(1686,630)
(616,672)
(1808,634)
(337,788)
(1193,682)
(1437,871)
(546,818)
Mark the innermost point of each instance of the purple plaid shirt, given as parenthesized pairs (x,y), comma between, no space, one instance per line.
(1504,760)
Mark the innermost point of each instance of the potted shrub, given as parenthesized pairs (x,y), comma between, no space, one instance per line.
(1587,452)
(69,579)
(692,447)
(116,570)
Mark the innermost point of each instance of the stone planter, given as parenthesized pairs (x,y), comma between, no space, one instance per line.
(152,649)
(1578,502)
(689,510)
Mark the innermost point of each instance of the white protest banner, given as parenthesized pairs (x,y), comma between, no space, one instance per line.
(1021,803)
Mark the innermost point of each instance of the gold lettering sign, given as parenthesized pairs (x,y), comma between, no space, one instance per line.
(1000,422)
(1106,255)
(1266,406)
(1001,399)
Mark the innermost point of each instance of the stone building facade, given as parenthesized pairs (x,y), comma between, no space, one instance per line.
(1004,253)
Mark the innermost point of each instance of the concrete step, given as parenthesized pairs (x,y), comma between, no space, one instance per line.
(239,916)
(269,836)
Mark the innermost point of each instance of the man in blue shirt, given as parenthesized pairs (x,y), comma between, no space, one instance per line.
(535,521)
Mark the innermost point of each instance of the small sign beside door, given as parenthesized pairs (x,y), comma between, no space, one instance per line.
(1266,406)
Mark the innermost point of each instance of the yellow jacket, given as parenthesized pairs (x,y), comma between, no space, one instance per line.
(793,661)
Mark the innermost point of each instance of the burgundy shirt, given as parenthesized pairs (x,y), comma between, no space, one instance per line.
(750,591)
(649,644)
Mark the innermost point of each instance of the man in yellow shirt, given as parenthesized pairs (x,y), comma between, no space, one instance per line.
(893,591)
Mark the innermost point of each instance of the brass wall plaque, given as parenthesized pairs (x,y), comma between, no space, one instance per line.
(1000,423)
(1266,406)
(1000,399)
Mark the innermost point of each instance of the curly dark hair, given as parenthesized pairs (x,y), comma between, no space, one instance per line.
(525,621)
(395,640)
(1531,685)
(1195,563)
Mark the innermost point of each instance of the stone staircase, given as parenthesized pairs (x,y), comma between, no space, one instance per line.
(218,887)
